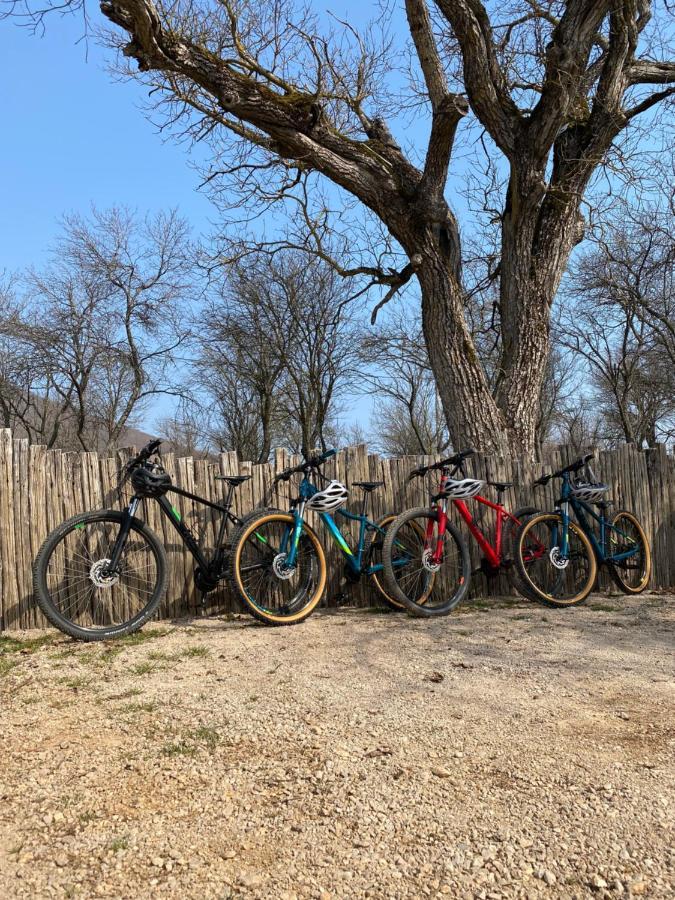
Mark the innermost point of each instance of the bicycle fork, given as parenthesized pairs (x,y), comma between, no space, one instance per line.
(434,555)
(121,539)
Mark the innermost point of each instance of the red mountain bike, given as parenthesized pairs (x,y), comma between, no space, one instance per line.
(427,565)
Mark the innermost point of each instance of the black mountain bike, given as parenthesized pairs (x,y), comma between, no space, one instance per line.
(102,574)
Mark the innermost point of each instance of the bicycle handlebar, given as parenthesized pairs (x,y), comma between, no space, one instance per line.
(310,462)
(455,460)
(572,467)
(145,454)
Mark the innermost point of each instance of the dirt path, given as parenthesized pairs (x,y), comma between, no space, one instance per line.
(504,752)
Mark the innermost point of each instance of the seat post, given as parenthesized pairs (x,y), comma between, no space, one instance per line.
(230,495)
(364,503)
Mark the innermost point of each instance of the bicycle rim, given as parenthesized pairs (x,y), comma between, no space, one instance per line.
(626,535)
(428,588)
(77,588)
(556,578)
(271,591)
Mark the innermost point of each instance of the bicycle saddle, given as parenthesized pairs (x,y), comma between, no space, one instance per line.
(501,485)
(234,480)
(367,486)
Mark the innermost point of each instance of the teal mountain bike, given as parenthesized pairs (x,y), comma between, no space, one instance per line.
(558,558)
(278,563)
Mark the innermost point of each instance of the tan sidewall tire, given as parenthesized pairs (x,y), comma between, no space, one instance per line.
(626,589)
(522,571)
(266,617)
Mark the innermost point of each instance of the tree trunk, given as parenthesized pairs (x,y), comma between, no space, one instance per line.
(470,411)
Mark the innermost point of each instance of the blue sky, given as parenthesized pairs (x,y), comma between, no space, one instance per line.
(72,137)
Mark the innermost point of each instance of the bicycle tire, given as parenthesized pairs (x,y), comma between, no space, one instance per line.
(509,543)
(45,595)
(315,592)
(525,567)
(615,568)
(419,604)
(373,556)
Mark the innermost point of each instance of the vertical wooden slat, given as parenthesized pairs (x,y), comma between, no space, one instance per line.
(9,593)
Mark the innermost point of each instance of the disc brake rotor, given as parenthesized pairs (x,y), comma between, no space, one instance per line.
(280,569)
(101,575)
(428,563)
(560,562)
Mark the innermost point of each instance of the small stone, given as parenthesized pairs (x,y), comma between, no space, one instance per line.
(597,882)
(638,887)
(61,860)
(158,862)
(617,886)
(549,877)
(249,880)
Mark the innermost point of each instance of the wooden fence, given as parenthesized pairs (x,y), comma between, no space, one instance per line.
(39,488)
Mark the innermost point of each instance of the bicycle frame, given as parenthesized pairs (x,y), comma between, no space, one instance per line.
(172,514)
(493,554)
(354,558)
(581,510)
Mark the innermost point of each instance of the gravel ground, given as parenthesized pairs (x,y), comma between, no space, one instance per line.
(507,751)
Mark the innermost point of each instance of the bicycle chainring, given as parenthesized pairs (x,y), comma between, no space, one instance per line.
(204,581)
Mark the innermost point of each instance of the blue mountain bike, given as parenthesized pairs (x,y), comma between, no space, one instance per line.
(558,558)
(277,563)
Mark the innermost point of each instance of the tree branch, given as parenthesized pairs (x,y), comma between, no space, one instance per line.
(484,78)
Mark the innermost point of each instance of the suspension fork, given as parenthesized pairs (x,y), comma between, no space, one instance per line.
(292,552)
(121,539)
(564,539)
(442,520)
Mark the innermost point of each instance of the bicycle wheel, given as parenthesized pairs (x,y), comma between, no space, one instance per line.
(631,575)
(509,550)
(77,594)
(272,593)
(411,577)
(373,557)
(550,578)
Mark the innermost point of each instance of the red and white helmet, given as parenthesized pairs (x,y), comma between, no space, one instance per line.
(331,497)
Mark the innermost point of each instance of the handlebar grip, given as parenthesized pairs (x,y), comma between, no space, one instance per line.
(328,453)
(149,449)
(417,473)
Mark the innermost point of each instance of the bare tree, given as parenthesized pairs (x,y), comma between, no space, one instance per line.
(577,425)
(101,323)
(620,321)
(407,418)
(278,352)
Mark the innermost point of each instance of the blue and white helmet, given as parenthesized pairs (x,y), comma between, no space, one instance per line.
(333,496)
(590,491)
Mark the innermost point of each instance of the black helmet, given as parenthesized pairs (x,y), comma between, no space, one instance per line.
(147,483)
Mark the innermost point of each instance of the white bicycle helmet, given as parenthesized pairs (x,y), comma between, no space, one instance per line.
(461,490)
(590,491)
(331,497)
